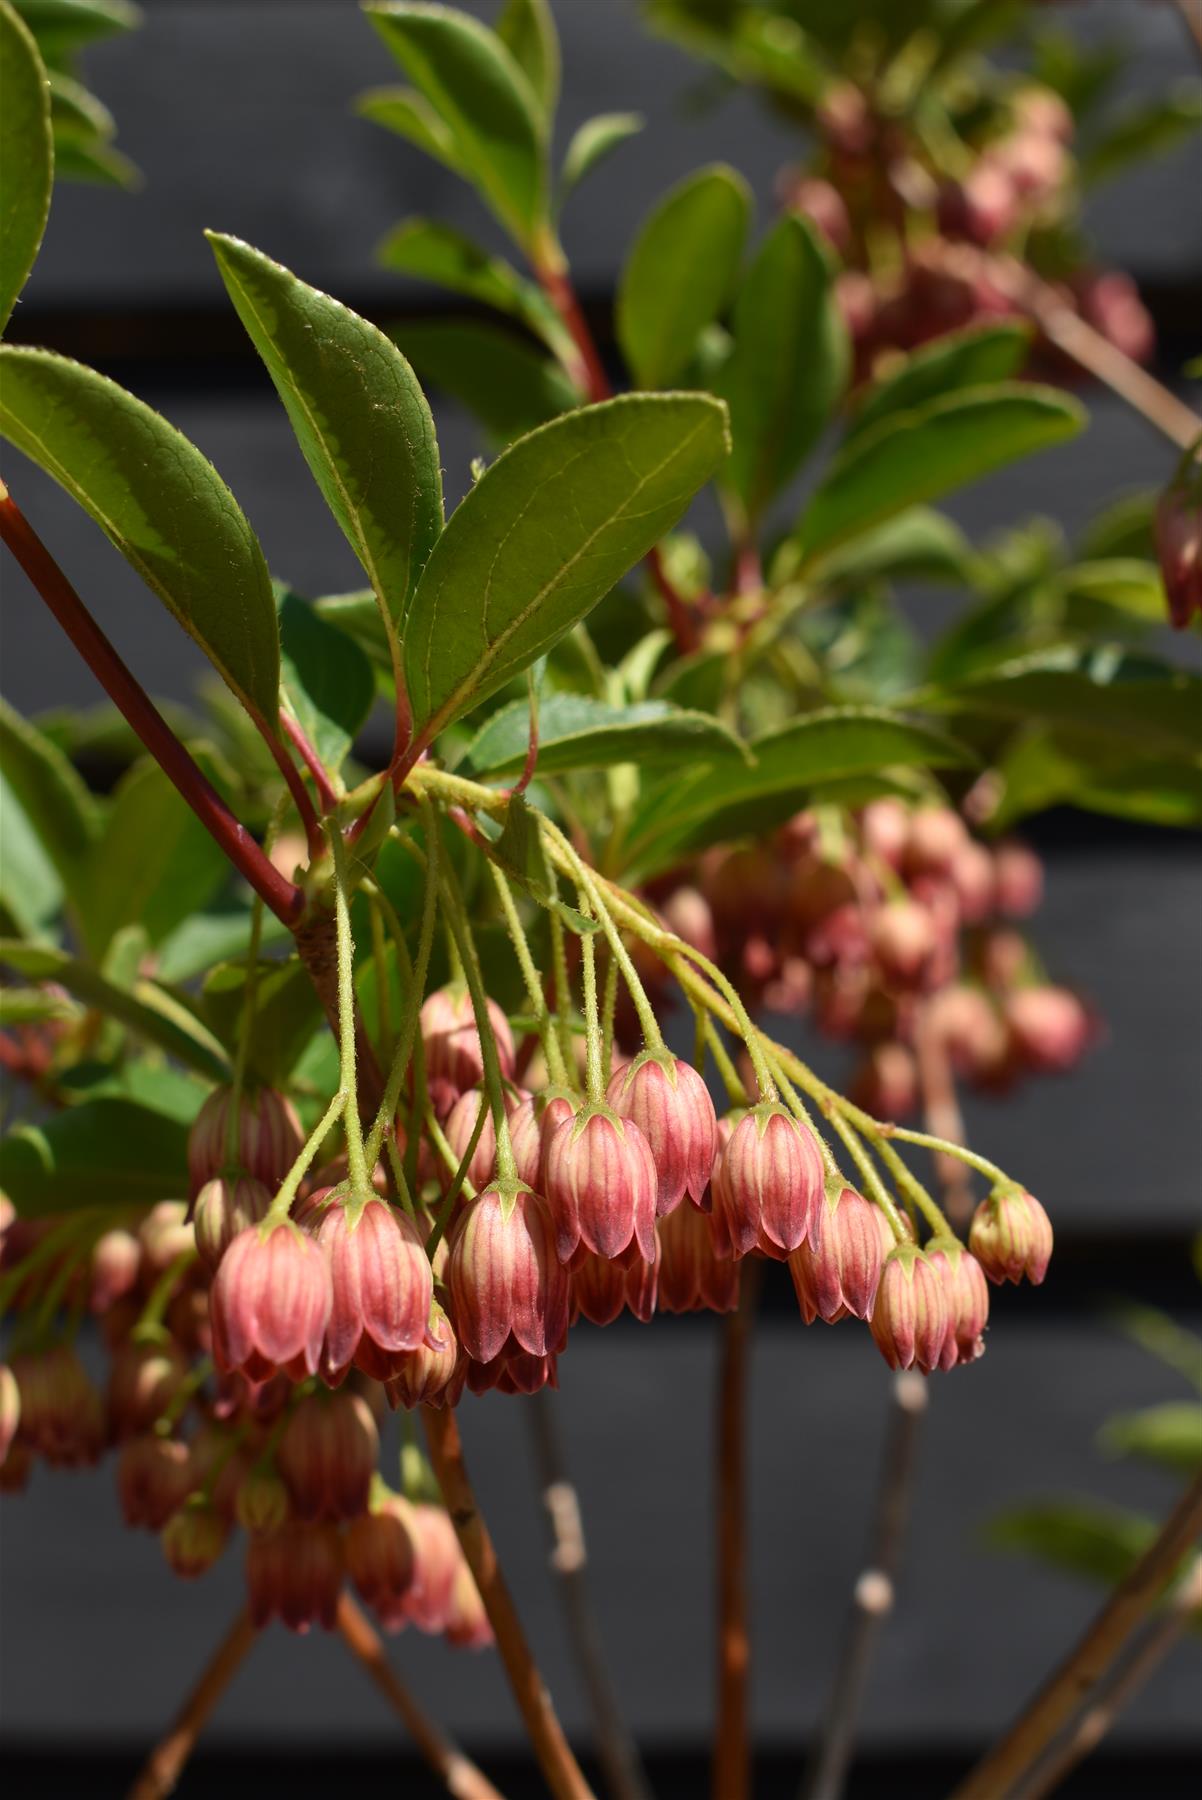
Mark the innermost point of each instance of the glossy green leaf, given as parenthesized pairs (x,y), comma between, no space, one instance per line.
(160,502)
(411,116)
(578,732)
(287,1014)
(144,1008)
(917,545)
(789,365)
(207,938)
(592,143)
(109,1152)
(359,415)
(90,159)
(153,865)
(484,99)
(681,273)
(705,806)
(31,892)
(357,615)
(57,808)
(1169,1434)
(1122,584)
(78,21)
(32,1006)
(1040,769)
(435,252)
(962,359)
(547,530)
(1099,1542)
(328,680)
(155,1085)
(915,456)
(508,383)
(26,145)
(527,30)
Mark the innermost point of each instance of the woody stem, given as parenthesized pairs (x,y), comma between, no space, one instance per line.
(731,1774)
(165,1764)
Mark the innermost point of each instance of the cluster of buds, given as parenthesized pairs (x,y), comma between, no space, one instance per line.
(967,231)
(908,924)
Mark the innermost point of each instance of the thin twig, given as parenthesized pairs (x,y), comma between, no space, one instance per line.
(559,1766)
(872,1596)
(458,1774)
(1119,1688)
(295,733)
(1078,1677)
(165,1764)
(732,1741)
(616,1748)
(131,700)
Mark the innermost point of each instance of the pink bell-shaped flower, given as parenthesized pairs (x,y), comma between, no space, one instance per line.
(270,1302)
(505,1277)
(670,1103)
(768,1185)
(327,1455)
(837,1271)
(601,1185)
(910,1316)
(381,1284)
(1011,1236)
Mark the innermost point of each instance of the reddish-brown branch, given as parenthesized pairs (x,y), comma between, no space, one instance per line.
(123,689)
(680,618)
(559,1766)
(732,1743)
(295,785)
(1078,1676)
(165,1764)
(311,760)
(458,1774)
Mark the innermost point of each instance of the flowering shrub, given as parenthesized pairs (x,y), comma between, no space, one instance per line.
(360,1095)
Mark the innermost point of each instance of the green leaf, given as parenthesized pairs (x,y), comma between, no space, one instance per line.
(32,1006)
(577,732)
(109,1153)
(1144,130)
(160,502)
(592,143)
(358,617)
(545,533)
(208,938)
(519,850)
(509,384)
(77,113)
(27,146)
(57,808)
(1122,584)
(328,680)
(705,806)
(527,30)
(681,272)
(1048,768)
(484,99)
(287,1013)
(962,359)
(435,252)
(412,117)
(92,160)
(1161,1336)
(358,412)
(917,545)
(162,1089)
(30,890)
(144,1008)
(916,456)
(153,865)
(789,365)
(78,21)
(1099,1542)
(1169,1434)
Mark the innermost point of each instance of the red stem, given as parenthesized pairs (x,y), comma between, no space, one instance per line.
(296,787)
(284,899)
(311,760)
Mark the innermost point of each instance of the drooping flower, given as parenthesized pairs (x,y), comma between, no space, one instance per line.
(670,1103)
(327,1455)
(224,1206)
(768,1184)
(269,1304)
(838,1270)
(295,1574)
(1011,1236)
(967,1294)
(601,1185)
(505,1277)
(910,1314)
(267,1140)
(381,1287)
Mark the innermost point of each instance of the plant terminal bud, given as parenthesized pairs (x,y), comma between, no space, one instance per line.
(1011,1236)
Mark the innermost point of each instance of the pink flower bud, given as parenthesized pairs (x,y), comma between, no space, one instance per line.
(437,1558)
(1011,1236)
(1110,301)
(909,1316)
(531,1125)
(225,1206)
(937,836)
(267,1142)
(193,1539)
(967,1295)
(143,1381)
(459,1126)
(687,912)
(691,1276)
(269,1304)
(1043,111)
(454,1059)
(768,1184)
(983,208)
(154,1478)
(327,1455)
(1048,1026)
(165,1236)
(10,1409)
(839,1270)
(434,1373)
(113,1270)
(295,1574)
(61,1416)
(381,1559)
(600,1178)
(967,1023)
(1179,541)
(670,1104)
(467,1625)
(885,830)
(505,1277)
(973,878)
(261,1502)
(814,199)
(886,1082)
(1018,879)
(601,1288)
(382,1286)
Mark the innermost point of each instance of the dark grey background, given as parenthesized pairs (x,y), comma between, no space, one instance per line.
(240,116)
